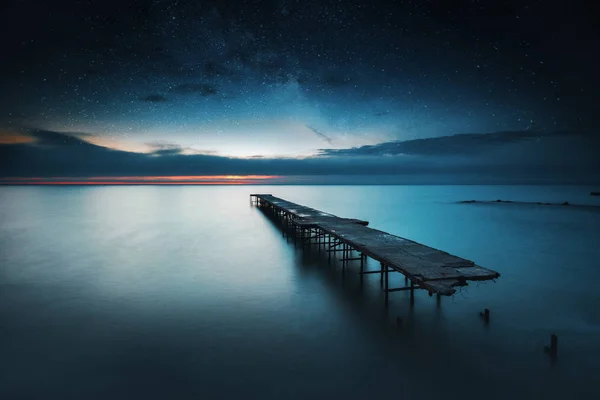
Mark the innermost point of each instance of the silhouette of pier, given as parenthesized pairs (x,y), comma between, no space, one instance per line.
(424,267)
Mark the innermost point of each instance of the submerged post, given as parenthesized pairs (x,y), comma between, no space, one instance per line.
(386,286)
(485,315)
(362,266)
(553,348)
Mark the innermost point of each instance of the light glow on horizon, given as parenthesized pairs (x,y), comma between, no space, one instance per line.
(146,180)
(10,137)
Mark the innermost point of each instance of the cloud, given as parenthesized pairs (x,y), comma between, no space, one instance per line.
(9,137)
(165,148)
(320,134)
(51,138)
(203,89)
(461,144)
(154,98)
(61,154)
(56,154)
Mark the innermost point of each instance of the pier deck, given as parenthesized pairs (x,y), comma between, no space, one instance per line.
(427,268)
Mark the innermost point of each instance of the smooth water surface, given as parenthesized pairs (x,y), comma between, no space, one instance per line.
(190,292)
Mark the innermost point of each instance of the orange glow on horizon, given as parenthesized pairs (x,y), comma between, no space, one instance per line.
(183,178)
(144,180)
(125,183)
(14,138)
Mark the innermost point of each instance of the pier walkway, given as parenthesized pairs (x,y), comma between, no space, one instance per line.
(425,267)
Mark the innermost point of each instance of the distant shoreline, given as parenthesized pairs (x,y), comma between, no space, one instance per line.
(530,203)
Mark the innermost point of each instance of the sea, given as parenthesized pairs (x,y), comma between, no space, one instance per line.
(191,292)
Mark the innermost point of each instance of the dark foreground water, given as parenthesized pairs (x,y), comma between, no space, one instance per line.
(189,292)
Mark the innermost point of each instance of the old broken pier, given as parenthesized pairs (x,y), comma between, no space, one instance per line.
(425,267)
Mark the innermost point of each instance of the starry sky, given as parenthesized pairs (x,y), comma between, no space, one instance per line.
(296,87)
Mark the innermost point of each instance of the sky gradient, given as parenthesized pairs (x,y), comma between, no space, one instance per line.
(167,88)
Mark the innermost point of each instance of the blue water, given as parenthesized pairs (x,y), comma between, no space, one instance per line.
(189,292)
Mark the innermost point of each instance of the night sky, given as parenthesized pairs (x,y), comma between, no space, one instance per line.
(164,88)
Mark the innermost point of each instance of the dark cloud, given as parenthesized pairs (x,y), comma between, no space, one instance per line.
(165,148)
(51,138)
(63,159)
(55,154)
(154,98)
(461,144)
(320,134)
(203,89)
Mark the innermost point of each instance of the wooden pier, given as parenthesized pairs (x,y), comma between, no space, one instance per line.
(425,267)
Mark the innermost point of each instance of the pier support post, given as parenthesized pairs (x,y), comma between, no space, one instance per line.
(381,276)
(320,238)
(386,286)
(412,293)
(485,315)
(344,259)
(295,227)
(362,266)
(553,348)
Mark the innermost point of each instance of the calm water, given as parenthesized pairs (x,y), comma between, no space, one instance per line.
(183,292)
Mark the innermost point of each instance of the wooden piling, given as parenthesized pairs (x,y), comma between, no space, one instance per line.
(485,315)
(552,350)
(362,267)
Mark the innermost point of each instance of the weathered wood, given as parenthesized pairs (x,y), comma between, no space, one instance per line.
(402,289)
(431,269)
